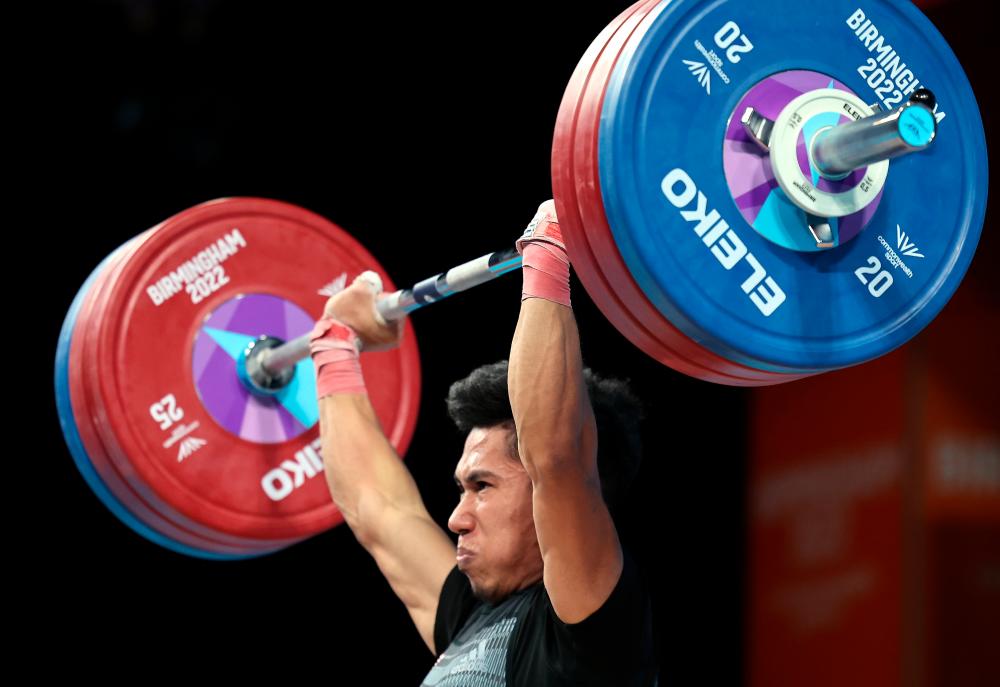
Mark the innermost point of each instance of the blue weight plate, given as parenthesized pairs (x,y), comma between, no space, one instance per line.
(666,114)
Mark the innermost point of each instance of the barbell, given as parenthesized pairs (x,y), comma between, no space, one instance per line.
(721,176)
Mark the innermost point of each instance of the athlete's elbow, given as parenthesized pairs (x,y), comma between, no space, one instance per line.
(557,452)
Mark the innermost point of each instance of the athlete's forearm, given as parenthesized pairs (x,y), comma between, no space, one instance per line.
(363,471)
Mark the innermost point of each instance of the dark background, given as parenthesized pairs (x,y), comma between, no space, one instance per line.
(426,131)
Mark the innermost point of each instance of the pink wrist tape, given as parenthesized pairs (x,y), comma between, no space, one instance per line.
(546,272)
(334,347)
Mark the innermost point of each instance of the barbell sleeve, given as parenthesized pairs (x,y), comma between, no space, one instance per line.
(840,150)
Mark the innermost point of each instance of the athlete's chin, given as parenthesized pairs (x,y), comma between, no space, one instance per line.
(480,591)
(489,596)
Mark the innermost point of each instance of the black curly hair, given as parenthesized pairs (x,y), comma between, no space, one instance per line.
(481,400)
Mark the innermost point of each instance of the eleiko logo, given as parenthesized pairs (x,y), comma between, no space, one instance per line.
(700,71)
(905,245)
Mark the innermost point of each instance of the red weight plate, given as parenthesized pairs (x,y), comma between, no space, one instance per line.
(175,419)
(95,452)
(565,189)
(82,398)
(601,269)
(605,251)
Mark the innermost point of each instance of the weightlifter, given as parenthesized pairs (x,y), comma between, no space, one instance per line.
(538,590)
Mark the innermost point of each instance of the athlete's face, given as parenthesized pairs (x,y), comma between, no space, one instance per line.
(497,546)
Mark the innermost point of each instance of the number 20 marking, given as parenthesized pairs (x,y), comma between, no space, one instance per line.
(882,281)
(727,35)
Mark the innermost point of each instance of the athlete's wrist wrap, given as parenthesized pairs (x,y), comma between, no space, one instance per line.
(334,347)
(544,262)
